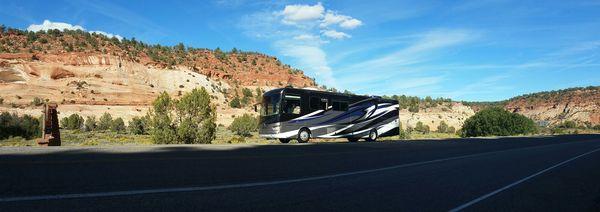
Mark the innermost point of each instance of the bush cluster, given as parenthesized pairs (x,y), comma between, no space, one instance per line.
(496,121)
(414,103)
(138,125)
(420,127)
(90,123)
(72,122)
(189,120)
(235,103)
(117,125)
(444,128)
(105,123)
(244,125)
(12,125)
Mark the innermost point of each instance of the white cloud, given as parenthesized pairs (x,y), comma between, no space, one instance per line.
(309,38)
(418,50)
(110,35)
(299,13)
(335,34)
(307,16)
(299,32)
(344,21)
(311,57)
(403,62)
(49,25)
(351,23)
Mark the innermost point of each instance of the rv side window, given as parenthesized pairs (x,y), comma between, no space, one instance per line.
(317,103)
(291,104)
(339,106)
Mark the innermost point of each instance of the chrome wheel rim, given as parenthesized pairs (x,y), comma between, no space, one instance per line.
(304,135)
(373,135)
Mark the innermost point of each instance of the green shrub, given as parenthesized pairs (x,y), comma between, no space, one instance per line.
(451,130)
(443,127)
(37,101)
(245,100)
(72,122)
(247,92)
(244,125)
(222,56)
(161,120)
(413,108)
(420,127)
(117,125)
(196,118)
(496,121)
(90,123)
(138,126)
(105,122)
(235,103)
(194,114)
(259,94)
(11,125)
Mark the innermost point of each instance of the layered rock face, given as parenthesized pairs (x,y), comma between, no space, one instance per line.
(454,114)
(578,105)
(91,74)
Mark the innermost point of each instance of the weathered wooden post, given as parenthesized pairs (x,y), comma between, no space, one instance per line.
(51,130)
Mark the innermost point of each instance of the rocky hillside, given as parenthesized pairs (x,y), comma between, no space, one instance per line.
(91,73)
(580,104)
(453,114)
(551,108)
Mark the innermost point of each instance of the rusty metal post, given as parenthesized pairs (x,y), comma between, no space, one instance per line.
(51,130)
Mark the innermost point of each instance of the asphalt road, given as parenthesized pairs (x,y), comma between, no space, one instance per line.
(559,173)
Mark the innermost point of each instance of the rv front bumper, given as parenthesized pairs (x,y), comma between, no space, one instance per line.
(269,131)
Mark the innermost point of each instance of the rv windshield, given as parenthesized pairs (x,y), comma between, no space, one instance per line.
(270,104)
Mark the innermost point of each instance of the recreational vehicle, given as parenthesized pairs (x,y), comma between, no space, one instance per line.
(302,114)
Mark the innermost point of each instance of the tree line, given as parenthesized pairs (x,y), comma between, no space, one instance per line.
(415,103)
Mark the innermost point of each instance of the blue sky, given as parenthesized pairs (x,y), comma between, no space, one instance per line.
(467,50)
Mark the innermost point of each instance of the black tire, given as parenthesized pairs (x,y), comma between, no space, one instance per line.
(372,135)
(352,139)
(303,135)
(284,140)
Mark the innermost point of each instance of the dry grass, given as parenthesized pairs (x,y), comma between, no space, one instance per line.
(18,141)
(78,138)
(224,136)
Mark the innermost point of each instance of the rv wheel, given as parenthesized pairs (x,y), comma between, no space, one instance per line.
(303,135)
(284,140)
(372,135)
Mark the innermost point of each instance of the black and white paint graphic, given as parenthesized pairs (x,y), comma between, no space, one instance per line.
(356,122)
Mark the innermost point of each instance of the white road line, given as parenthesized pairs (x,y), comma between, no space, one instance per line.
(245,185)
(475,201)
